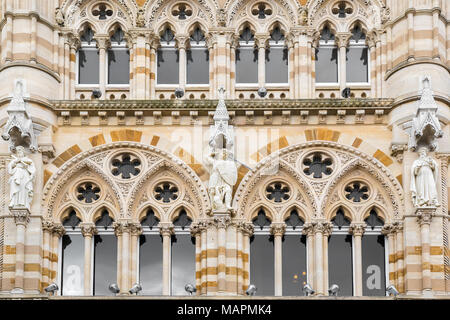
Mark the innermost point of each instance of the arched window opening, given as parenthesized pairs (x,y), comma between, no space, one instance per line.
(183,255)
(88,59)
(262,256)
(150,256)
(373,247)
(72,257)
(294,256)
(105,255)
(118,59)
(357,60)
(246,58)
(167,59)
(326,58)
(340,255)
(277,58)
(197,58)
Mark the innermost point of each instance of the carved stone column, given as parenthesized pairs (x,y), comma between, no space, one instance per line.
(166,230)
(424,217)
(222,221)
(247,230)
(261,41)
(400,256)
(389,231)
(182,42)
(103,43)
(47,227)
(320,227)
(277,230)
(357,229)
(135,231)
(21,218)
(74,44)
(342,40)
(308,230)
(122,230)
(196,232)
(88,230)
(57,232)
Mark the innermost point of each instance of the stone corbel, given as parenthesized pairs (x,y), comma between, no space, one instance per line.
(157,117)
(323,116)
(268,117)
(103,119)
(341,116)
(139,117)
(286,116)
(249,117)
(84,118)
(194,117)
(66,117)
(359,116)
(120,118)
(175,117)
(48,152)
(397,150)
(379,116)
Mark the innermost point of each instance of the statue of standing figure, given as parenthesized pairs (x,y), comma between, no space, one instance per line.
(223,176)
(424,175)
(22,171)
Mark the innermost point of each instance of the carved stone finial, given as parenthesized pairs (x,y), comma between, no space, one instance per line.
(19,127)
(425,126)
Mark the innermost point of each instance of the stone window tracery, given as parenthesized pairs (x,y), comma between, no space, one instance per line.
(278,192)
(342,9)
(88,192)
(261,220)
(102,11)
(182,11)
(294,220)
(356,191)
(125,166)
(182,220)
(317,164)
(71,220)
(166,192)
(261,10)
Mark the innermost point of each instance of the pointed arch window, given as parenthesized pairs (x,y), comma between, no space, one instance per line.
(183,255)
(294,256)
(277,58)
(88,59)
(150,256)
(105,255)
(340,255)
(197,59)
(326,58)
(72,257)
(262,271)
(374,261)
(167,59)
(246,58)
(118,59)
(357,60)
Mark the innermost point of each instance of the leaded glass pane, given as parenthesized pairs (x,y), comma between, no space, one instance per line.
(373,265)
(294,264)
(72,283)
(246,65)
(88,66)
(340,266)
(262,264)
(326,65)
(105,263)
(183,263)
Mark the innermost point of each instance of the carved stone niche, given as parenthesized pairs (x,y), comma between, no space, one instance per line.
(425,125)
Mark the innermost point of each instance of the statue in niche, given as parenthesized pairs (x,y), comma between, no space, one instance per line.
(424,175)
(22,171)
(223,176)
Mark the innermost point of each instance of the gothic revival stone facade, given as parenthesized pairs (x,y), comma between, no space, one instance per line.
(326,104)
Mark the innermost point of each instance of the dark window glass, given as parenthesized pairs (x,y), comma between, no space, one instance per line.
(294,264)
(168,59)
(246,65)
(72,220)
(183,263)
(262,264)
(182,220)
(72,261)
(197,66)
(118,66)
(276,65)
(150,264)
(373,265)
(327,65)
(104,221)
(357,67)
(340,220)
(373,220)
(88,66)
(340,264)
(105,263)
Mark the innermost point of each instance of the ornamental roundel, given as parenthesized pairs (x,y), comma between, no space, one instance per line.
(278,192)
(317,165)
(87,192)
(357,191)
(166,192)
(125,166)
(102,11)
(182,11)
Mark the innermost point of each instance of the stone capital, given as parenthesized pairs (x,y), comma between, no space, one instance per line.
(222,221)
(278,229)
(21,215)
(398,225)
(246,228)
(47,226)
(122,226)
(72,40)
(388,229)
(197,228)
(182,41)
(343,38)
(58,229)
(425,215)
(135,229)
(262,40)
(88,229)
(357,229)
(397,150)
(166,229)
(103,41)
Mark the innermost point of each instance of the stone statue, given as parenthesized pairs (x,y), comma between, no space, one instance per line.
(424,175)
(22,171)
(223,176)
(59,17)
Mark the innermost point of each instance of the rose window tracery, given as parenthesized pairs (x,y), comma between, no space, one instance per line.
(317,164)
(88,192)
(166,192)
(356,191)
(125,166)
(278,192)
